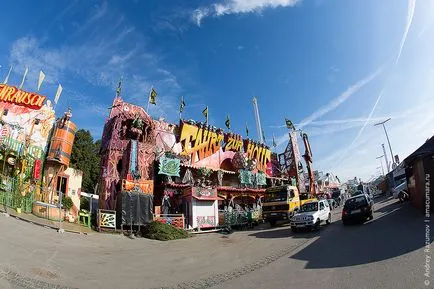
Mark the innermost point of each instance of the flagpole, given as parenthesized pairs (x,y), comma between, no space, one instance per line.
(180,108)
(207,115)
(24,77)
(149,99)
(7,76)
(58,93)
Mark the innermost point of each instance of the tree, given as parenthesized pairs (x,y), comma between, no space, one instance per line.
(85,157)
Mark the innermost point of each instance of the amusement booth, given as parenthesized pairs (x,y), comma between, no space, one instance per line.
(26,120)
(60,180)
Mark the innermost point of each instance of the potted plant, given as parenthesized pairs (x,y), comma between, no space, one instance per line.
(67,204)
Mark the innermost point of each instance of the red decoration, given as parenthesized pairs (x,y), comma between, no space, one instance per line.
(37,170)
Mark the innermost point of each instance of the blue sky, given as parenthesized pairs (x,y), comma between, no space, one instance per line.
(333,67)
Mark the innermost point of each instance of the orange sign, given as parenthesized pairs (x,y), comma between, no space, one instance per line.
(20,97)
(259,153)
(147,186)
(201,141)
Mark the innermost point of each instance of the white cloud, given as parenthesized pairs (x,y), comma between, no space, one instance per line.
(240,47)
(238,6)
(98,56)
(199,14)
(336,102)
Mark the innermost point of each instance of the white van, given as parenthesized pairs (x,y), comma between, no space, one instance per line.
(398,189)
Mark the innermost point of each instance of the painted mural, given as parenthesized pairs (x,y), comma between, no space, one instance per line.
(212,148)
(24,117)
(128,152)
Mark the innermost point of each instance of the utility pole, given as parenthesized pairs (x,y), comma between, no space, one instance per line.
(388,141)
(385,158)
(382,168)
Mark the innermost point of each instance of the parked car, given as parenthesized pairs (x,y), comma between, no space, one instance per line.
(311,215)
(360,207)
(398,189)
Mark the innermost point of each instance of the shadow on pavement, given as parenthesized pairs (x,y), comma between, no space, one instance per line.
(399,231)
(389,207)
(284,233)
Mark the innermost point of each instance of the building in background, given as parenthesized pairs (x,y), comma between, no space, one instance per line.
(419,168)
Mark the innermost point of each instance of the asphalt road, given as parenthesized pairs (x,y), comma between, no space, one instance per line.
(387,252)
(384,253)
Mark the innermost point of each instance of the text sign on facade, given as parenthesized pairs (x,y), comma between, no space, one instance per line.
(200,143)
(20,97)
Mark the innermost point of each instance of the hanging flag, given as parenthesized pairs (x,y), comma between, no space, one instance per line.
(7,76)
(24,77)
(41,79)
(274,142)
(153,97)
(247,130)
(205,112)
(228,122)
(289,124)
(119,89)
(182,105)
(58,93)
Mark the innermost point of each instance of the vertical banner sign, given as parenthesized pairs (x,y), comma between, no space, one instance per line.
(24,77)
(58,93)
(41,79)
(37,170)
(133,160)
(297,161)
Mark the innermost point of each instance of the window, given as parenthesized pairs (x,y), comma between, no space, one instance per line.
(309,207)
(326,204)
(61,185)
(275,197)
(357,201)
(291,194)
(321,206)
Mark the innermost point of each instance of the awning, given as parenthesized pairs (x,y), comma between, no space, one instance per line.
(213,169)
(210,198)
(176,186)
(240,190)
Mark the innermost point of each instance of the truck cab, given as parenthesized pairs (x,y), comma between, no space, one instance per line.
(280,203)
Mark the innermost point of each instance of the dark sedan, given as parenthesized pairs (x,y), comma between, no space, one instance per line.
(358,208)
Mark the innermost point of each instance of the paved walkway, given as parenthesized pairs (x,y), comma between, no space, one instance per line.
(51,260)
(30,218)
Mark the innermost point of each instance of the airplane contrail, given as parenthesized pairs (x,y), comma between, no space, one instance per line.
(334,103)
(410,14)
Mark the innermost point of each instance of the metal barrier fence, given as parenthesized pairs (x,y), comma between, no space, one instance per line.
(176,220)
(10,195)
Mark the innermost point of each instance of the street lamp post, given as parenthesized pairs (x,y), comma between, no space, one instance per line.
(381,162)
(387,136)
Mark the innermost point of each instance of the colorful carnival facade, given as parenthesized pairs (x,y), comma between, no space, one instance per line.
(26,121)
(35,151)
(188,174)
